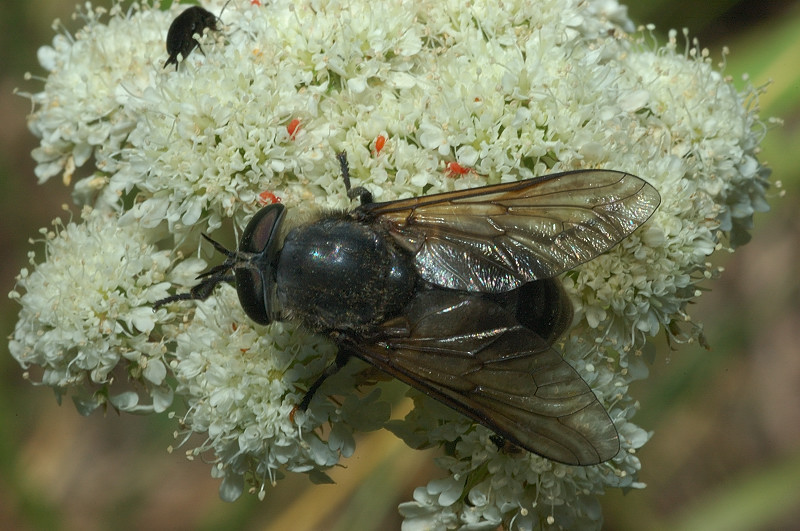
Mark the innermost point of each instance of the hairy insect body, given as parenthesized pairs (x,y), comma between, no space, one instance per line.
(339,274)
(455,294)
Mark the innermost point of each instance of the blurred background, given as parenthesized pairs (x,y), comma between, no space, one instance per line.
(726,450)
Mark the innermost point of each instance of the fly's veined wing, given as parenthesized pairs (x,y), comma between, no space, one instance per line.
(495,238)
(470,353)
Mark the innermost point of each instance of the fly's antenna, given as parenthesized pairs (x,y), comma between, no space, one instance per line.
(209,279)
(360,192)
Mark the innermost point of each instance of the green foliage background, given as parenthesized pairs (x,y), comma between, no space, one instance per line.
(726,450)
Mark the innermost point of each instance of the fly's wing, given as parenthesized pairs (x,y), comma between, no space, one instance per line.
(495,238)
(470,353)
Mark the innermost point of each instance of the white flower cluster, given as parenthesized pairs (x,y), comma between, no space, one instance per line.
(243,387)
(424,96)
(87,314)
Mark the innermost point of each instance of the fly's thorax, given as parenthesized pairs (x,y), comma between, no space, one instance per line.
(341,274)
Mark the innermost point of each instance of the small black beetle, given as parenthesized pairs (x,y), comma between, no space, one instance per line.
(180,37)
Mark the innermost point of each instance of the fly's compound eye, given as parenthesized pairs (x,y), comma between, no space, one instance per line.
(256,284)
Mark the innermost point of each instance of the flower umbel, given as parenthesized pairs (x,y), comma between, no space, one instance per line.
(424,96)
(87,313)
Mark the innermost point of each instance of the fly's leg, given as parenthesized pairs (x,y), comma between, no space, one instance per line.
(341,360)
